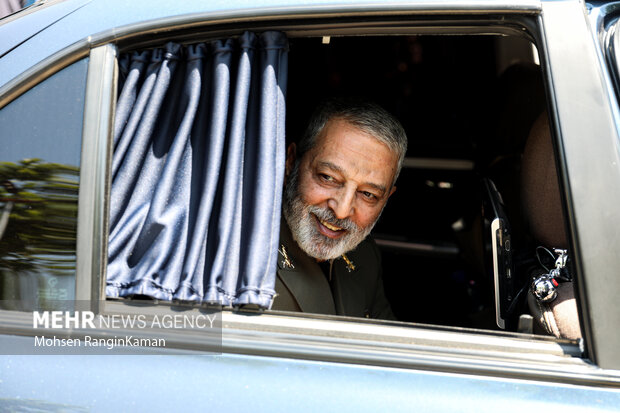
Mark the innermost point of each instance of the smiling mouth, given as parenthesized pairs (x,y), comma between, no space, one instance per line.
(329,230)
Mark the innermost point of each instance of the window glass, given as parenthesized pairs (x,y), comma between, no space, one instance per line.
(40,137)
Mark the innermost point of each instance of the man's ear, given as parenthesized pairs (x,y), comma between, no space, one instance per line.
(291,155)
(392,190)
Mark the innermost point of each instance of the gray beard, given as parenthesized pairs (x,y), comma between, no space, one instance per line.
(301,220)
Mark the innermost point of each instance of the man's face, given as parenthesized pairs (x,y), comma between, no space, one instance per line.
(337,190)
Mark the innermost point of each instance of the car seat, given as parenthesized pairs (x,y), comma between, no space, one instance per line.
(542,211)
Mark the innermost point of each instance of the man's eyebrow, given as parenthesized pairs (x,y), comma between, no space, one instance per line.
(330,165)
(378,187)
(336,168)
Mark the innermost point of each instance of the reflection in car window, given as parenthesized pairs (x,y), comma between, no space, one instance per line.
(40,136)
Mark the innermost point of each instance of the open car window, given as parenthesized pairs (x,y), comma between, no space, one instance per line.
(468,105)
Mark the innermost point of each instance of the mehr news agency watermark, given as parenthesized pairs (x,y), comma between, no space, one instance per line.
(145,326)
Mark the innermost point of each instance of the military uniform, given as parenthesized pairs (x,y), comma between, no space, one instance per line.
(352,286)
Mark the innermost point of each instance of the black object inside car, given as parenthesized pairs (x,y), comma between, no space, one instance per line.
(498,251)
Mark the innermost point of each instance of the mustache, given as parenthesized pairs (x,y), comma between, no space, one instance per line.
(326,214)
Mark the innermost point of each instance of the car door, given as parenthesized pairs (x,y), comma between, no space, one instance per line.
(268,360)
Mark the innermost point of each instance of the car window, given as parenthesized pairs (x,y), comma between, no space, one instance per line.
(40,136)
(468,105)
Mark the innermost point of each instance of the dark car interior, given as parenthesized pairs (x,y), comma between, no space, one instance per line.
(467,104)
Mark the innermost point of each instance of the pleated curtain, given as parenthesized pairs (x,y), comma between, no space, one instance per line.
(197,171)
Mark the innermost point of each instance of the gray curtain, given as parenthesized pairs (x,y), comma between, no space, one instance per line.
(9,6)
(197,171)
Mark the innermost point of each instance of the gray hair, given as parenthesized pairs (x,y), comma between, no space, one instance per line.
(369,117)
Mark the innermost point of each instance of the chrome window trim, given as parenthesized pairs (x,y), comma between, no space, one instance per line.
(94,166)
(41,71)
(361,342)
(458,8)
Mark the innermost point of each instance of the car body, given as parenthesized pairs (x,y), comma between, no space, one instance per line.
(284,362)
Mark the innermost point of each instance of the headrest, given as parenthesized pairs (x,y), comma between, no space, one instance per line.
(540,192)
(522,100)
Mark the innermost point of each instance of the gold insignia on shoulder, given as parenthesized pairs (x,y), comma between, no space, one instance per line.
(287,262)
(350,265)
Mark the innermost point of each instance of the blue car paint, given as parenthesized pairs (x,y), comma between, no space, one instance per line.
(240,383)
(33,22)
(98,16)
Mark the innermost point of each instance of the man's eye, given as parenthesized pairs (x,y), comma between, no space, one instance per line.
(326,178)
(368,195)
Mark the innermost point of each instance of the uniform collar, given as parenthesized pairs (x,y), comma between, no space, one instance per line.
(302,275)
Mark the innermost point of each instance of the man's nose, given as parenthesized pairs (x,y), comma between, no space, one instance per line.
(342,203)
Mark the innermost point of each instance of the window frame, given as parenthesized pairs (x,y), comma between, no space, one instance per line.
(92,232)
(295,335)
(347,329)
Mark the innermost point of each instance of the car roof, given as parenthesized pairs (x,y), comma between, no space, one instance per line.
(36,34)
